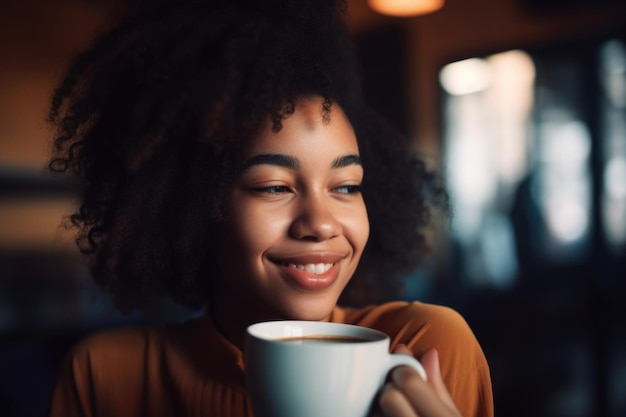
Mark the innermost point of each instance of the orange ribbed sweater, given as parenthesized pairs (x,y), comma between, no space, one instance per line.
(190,369)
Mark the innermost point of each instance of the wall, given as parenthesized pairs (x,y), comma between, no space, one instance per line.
(38,39)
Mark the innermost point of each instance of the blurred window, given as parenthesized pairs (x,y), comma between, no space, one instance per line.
(521,139)
(613,126)
(488,103)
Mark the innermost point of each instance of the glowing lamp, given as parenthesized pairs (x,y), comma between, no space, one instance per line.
(405,8)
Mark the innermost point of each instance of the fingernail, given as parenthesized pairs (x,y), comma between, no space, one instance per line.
(401,348)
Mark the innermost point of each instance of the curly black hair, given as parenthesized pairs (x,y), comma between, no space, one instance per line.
(150,121)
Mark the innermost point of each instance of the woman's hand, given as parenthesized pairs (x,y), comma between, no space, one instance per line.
(408,395)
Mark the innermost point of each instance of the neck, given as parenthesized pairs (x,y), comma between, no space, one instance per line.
(232,323)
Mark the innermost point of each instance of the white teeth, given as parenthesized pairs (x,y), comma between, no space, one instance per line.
(312,268)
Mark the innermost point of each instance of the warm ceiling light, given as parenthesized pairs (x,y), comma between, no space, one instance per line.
(404,8)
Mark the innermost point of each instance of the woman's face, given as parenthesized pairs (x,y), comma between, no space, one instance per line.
(298,225)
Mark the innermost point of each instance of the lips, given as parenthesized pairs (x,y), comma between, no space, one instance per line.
(311,272)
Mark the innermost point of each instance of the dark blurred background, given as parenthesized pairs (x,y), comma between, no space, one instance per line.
(522,103)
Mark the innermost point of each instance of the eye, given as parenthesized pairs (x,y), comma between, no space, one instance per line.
(348,189)
(274,189)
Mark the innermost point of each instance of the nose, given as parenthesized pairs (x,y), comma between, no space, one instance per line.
(315,220)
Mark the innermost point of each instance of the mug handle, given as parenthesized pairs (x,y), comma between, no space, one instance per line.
(397,359)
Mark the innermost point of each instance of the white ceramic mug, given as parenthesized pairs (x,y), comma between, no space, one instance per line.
(288,378)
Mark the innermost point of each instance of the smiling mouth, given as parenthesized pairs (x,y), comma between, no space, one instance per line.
(313,272)
(316,269)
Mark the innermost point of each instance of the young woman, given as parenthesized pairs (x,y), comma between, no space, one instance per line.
(226,160)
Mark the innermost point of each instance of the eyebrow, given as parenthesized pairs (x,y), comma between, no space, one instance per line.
(290,162)
(277,159)
(344,161)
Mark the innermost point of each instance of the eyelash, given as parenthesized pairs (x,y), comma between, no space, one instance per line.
(274,189)
(280,189)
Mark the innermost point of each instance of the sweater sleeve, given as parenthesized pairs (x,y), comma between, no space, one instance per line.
(71,396)
(103,374)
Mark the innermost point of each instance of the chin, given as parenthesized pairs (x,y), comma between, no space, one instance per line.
(309,311)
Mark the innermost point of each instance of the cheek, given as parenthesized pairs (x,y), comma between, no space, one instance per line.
(251,232)
(357,229)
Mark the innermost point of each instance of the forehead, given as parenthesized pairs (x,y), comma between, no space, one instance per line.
(307,130)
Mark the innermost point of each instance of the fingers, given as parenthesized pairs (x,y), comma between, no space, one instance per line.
(401,348)
(408,395)
(393,403)
(430,362)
